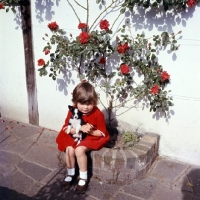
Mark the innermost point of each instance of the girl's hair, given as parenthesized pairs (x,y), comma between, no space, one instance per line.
(84,93)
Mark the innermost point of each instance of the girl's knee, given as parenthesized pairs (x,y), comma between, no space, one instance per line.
(70,150)
(80,150)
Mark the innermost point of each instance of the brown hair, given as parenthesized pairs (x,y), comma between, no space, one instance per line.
(84,93)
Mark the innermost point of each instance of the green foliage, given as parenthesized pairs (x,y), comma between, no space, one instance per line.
(130,138)
(10,4)
(166,4)
(141,57)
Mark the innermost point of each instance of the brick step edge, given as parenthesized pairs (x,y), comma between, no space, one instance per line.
(112,165)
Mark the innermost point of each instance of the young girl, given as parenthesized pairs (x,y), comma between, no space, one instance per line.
(85,99)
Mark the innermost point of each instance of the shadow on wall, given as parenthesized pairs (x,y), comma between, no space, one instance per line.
(139,21)
(191,185)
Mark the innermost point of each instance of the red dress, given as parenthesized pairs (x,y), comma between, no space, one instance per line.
(96,118)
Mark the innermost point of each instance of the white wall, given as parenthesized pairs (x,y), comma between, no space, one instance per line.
(13,93)
(179,132)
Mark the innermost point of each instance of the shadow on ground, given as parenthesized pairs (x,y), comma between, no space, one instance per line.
(191,185)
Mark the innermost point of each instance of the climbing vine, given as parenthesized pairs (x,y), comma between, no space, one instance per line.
(112,64)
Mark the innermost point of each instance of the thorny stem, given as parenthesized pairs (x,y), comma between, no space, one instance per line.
(74,11)
(102,13)
(80,5)
(79,67)
(115,21)
(87,12)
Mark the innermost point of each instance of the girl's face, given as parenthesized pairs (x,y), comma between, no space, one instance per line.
(86,107)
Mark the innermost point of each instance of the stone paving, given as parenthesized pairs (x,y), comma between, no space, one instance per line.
(30,169)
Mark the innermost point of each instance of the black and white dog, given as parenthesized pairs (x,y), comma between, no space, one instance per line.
(76,122)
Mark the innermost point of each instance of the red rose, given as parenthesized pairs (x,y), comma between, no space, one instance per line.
(124,69)
(1,6)
(41,62)
(83,37)
(53,26)
(83,81)
(155,89)
(165,76)
(102,61)
(82,25)
(191,3)
(122,48)
(47,51)
(104,24)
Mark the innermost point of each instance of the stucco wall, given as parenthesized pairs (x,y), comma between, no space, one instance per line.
(179,133)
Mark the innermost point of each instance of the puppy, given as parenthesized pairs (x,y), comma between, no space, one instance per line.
(76,122)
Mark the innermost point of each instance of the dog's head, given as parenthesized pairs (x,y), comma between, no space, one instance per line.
(76,114)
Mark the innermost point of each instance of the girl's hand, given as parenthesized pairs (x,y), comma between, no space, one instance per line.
(65,129)
(86,128)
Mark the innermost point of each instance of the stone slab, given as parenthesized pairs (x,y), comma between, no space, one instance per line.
(45,156)
(54,191)
(101,190)
(183,184)
(167,171)
(7,158)
(123,196)
(22,130)
(57,174)
(34,190)
(9,194)
(2,126)
(7,137)
(168,194)
(16,181)
(6,170)
(21,146)
(194,178)
(33,170)
(48,137)
(143,188)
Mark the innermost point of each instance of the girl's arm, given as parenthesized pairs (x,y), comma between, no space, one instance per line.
(88,128)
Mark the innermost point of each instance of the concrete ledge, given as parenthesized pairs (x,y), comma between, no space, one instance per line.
(112,165)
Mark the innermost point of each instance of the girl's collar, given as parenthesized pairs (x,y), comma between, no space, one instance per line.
(87,113)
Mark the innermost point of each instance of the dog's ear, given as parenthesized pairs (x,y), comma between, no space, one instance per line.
(70,108)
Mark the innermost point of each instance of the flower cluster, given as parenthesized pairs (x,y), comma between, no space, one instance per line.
(124,69)
(122,48)
(1,6)
(83,37)
(104,24)
(82,25)
(91,54)
(191,3)
(53,26)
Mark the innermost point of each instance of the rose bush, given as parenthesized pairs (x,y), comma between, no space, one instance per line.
(91,52)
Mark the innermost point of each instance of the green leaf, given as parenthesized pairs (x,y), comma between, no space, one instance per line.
(98,1)
(122,10)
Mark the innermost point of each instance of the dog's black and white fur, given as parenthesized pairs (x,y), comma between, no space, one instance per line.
(76,122)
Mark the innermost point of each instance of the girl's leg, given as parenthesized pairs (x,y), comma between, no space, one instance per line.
(81,156)
(70,157)
(70,162)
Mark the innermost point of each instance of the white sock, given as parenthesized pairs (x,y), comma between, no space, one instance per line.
(83,175)
(70,172)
